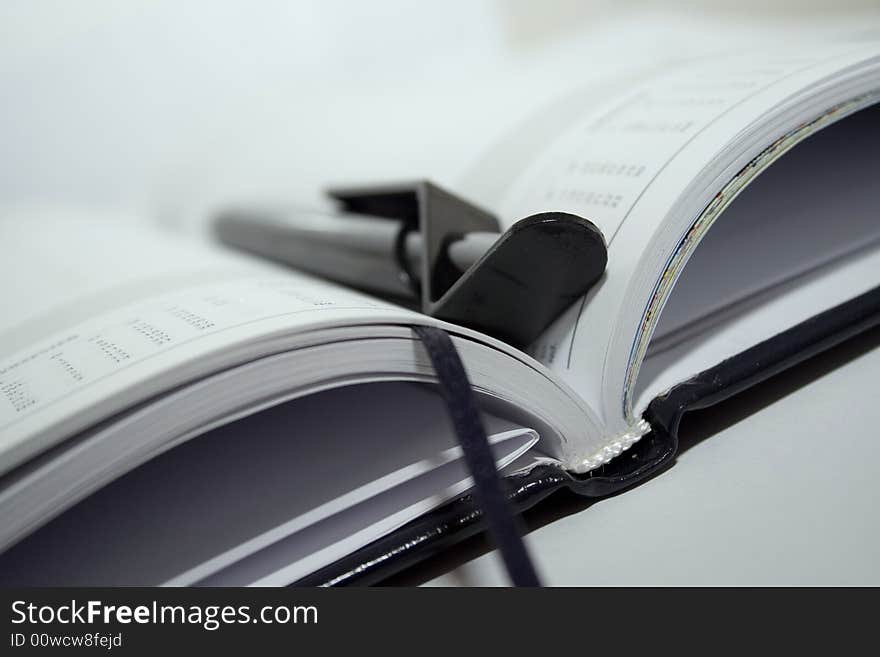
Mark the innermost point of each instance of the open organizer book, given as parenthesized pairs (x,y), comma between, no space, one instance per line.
(174,412)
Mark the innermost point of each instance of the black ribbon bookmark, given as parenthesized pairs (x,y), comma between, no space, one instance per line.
(488,491)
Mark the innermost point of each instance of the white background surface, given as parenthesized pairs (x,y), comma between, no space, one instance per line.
(170,108)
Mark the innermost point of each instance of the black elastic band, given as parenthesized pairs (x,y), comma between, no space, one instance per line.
(501,521)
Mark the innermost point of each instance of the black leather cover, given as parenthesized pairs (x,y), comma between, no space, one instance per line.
(655,452)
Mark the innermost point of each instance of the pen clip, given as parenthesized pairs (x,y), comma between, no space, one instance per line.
(527,278)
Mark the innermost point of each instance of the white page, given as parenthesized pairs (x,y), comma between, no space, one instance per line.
(816,204)
(111,347)
(287,467)
(627,165)
(353,528)
(757,318)
(97,311)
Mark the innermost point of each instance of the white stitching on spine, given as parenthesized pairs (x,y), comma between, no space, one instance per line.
(615,448)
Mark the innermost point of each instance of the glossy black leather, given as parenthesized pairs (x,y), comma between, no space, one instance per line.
(654,453)
(462,518)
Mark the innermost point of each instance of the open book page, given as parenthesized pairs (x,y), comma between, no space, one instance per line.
(116,322)
(96,310)
(770,235)
(629,164)
(286,474)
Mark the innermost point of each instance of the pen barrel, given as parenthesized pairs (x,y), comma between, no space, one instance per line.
(356,250)
(462,253)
